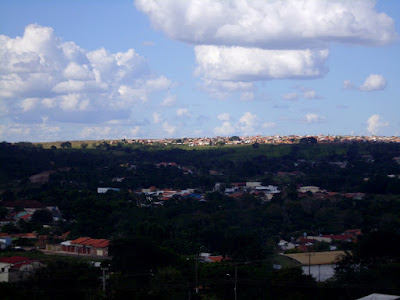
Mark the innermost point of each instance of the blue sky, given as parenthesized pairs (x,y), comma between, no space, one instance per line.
(73,70)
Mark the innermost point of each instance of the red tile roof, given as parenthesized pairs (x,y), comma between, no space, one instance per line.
(236,195)
(14,259)
(26,217)
(23,203)
(218,258)
(87,241)
(23,263)
(340,237)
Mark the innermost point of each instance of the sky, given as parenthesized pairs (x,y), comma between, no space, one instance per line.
(96,69)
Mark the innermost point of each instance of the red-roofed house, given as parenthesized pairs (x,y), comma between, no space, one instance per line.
(86,246)
(217,258)
(342,237)
(17,268)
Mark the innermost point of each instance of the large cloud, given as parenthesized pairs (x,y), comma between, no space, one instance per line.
(248,64)
(270,24)
(247,40)
(40,70)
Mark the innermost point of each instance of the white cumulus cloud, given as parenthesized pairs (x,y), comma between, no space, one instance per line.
(279,24)
(61,75)
(374,124)
(249,64)
(374,82)
(252,40)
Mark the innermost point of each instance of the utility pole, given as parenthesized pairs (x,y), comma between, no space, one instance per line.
(197,279)
(235,289)
(309,262)
(104,279)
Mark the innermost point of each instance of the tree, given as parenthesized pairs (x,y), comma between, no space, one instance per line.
(234,138)
(42,216)
(84,145)
(66,145)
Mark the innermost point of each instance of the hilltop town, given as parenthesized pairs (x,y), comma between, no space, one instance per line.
(276,139)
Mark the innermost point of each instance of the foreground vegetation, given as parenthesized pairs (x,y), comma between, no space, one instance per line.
(154,250)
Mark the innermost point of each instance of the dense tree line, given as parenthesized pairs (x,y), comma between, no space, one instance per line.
(154,248)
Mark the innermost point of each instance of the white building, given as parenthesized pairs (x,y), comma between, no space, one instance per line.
(17,268)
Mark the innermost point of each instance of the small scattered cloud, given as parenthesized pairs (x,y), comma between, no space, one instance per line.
(222,89)
(314,118)
(224,117)
(311,94)
(157,118)
(248,122)
(148,43)
(169,100)
(168,128)
(290,96)
(348,85)
(374,82)
(135,131)
(247,96)
(302,92)
(269,125)
(225,129)
(375,123)
(100,132)
(180,112)
(28,104)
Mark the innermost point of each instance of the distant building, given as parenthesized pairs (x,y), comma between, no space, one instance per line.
(103,190)
(312,189)
(82,246)
(320,265)
(17,268)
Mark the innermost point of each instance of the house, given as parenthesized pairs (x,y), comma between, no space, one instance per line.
(29,206)
(103,190)
(312,189)
(216,258)
(342,237)
(284,245)
(5,241)
(118,179)
(253,184)
(82,246)
(321,265)
(17,268)
(271,189)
